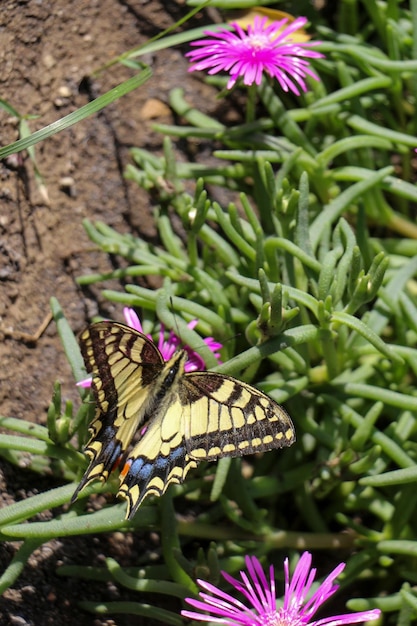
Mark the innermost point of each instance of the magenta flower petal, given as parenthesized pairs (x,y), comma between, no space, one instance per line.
(133,320)
(259,592)
(85,383)
(262,48)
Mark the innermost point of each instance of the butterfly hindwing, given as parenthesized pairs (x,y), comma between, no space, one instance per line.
(184,418)
(159,459)
(208,416)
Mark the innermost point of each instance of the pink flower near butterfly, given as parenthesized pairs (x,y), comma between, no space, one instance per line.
(259,593)
(261,49)
(167,347)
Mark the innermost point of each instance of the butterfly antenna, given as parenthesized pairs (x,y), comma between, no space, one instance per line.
(175,320)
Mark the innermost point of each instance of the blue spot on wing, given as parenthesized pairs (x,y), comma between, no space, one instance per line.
(143,469)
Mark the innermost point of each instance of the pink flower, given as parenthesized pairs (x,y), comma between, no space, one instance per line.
(167,347)
(259,592)
(262,48)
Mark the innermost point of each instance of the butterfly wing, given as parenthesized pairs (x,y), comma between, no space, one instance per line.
(231,418)
(208,416)
(124,363)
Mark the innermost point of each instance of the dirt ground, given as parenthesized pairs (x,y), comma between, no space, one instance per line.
(47,49)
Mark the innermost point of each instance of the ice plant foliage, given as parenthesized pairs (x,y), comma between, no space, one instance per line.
(262,48)
(167,347)
(259,592)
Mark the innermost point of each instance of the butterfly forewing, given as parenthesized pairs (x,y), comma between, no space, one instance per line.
(123,364)
(229,418)
(186,418)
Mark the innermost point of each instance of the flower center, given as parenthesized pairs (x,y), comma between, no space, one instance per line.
(258,41)
(280,618)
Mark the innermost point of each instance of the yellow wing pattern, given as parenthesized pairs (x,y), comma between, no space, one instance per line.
(185,417)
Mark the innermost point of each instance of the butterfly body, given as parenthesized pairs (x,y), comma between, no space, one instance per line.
(180,418)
